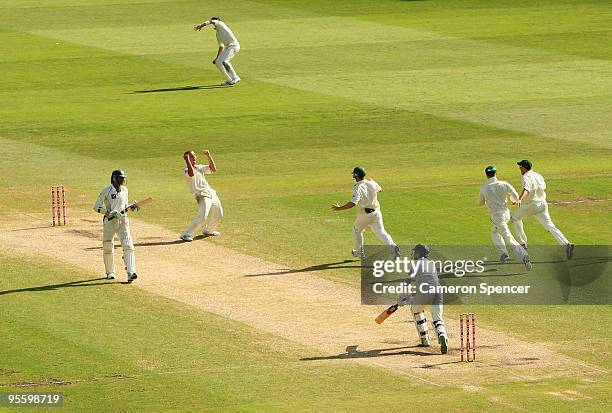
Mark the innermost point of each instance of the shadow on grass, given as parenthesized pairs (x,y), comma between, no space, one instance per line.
(181,89)
(52,287)
(318,267)
(352,353)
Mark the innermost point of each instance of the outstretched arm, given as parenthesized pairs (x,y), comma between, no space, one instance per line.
(348,205)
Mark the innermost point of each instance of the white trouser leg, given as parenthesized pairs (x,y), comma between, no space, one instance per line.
(544,219)
(498,240)
(224,65)
(204,205)
(378,228)
(129,258)
(500,227)
(517,220)
(362,221)
(215,214)
(109,229)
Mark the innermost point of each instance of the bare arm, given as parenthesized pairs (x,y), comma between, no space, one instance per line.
(190,166)
(211,162)
(348,205)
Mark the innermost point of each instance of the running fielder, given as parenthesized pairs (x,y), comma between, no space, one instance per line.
(532,201)
(365,196)
(494,194)
(228,47)
(113,204)
(211,211)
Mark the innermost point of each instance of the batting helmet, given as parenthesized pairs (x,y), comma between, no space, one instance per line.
(359,171)
(420,251)
(117,173)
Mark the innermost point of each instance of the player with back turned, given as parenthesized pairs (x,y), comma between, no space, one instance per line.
(494,194)
(532,201)
(365,197)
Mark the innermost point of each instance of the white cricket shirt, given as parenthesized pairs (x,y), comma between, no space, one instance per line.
(112,200)
(494,194)
(534,183)
(198,185)
(365,194)
(225,37)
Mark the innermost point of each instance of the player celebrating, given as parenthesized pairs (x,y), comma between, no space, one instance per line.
(228,47)
(368,214)
(113,204)
(532,201)
(494,194)
(211,211)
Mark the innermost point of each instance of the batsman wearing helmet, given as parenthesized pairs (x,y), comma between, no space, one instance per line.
(426,276)
(113,204)
(365,197)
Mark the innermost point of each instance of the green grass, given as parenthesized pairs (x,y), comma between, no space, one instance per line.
(423,94)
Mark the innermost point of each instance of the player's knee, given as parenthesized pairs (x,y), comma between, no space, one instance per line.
(107,247)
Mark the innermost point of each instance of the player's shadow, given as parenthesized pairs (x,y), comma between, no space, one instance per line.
(181,89)
(52,287)
(318,267)
(352,353)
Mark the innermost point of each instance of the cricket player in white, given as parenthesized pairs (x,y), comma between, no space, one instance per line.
(532,201)
(228,47)
(211,211)
(494,194)
(113,204)
(426,276)
(365,196)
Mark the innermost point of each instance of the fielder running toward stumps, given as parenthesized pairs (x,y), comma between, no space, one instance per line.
(427,276)
(495,194)
(113,204)
(532,201)
(211,211)
(365,197)
(228,47)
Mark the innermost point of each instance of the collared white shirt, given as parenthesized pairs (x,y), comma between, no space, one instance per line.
(225,37)
(365,194)
(535,184)
(112,200)
(198,185)
(494,193)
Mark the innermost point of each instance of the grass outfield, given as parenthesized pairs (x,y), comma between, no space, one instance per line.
(423,94)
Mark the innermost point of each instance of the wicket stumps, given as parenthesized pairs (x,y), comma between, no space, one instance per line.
(467,318)
(58,205)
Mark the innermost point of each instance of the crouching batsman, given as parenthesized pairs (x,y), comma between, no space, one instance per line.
(113,204)
(425,275)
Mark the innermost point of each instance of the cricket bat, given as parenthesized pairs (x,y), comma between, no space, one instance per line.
(383,316)
(139,203)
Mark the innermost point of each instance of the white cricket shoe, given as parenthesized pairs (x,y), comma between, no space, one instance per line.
(425,341)
(132,277)
(211,234)
(110,276)
(186,238)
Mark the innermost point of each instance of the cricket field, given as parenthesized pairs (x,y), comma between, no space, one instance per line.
(267,316)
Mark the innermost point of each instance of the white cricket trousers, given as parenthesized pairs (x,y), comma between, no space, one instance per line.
(224,65)
(121,227)
(540,210)
(501,232)
(437,320)
(210,215)
(373,220)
